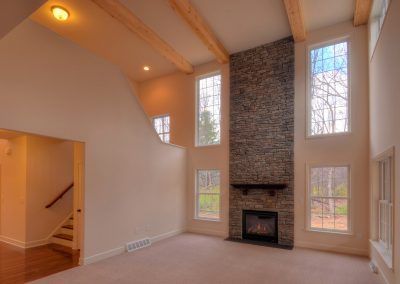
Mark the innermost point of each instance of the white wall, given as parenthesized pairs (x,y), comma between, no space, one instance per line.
(351,149)
(13,191)
(134,184)
(385,116)
(13,12)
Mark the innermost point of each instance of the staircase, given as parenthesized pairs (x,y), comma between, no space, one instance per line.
(64,235)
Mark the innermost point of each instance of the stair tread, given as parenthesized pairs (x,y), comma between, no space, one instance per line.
(64,236)
(68,227)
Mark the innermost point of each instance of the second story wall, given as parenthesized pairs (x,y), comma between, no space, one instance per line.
(176,95)
(134,184)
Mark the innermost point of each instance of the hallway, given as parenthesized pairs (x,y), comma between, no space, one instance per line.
(19,265)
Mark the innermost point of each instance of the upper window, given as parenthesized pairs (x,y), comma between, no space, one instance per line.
(386,205)
(378,15)
(208,194)
(329,199)
(208,110)
(329,90)
(161,124)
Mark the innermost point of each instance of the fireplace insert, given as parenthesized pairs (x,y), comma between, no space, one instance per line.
(260,226)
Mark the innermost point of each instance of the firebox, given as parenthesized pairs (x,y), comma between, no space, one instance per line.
(260,226)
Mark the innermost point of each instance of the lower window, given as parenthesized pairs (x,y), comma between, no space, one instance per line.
(208,194)
(386,205)
(329,199)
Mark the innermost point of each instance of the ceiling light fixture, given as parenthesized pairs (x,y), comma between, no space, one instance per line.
(60,13)
(146,68)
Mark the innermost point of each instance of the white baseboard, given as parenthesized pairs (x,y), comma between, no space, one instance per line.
(24,245)
(339,249)
(208,232)
(38,243)
(166,235)
(381,275)
(120,250)
(101,256)
(12,241)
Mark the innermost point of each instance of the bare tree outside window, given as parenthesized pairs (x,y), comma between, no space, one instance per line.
(329,96)
(161,124)
(329,198)
(208,194)
(209,110)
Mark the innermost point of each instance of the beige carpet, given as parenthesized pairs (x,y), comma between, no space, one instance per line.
(193,259)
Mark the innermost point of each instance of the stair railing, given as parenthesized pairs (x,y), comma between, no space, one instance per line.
(60,195)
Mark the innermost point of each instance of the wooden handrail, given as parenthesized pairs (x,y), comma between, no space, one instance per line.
(60,196)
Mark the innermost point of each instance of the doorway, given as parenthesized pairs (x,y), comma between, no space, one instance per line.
(41,205)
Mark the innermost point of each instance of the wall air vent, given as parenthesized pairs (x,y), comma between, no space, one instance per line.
(135,245)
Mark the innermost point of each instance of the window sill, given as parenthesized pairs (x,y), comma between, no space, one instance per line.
(387,257)
(330,135)
(207,219)
(344,233)
(205,146)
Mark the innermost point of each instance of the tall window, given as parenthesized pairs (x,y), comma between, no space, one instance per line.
(208,194)
(329,90)
(329,198)
(161,124)
(386,205)
(378,15)
(209,110)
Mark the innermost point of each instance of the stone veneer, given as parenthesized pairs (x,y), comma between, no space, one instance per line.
(262,133)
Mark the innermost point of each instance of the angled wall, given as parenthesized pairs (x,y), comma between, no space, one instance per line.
(134,184)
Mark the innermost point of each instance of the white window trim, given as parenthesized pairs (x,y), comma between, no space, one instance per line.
(346,38)
(160,116)
(197,91)
(196,197)
(349,230)
(380,248)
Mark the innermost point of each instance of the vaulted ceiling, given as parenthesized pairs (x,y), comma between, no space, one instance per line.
(237,24)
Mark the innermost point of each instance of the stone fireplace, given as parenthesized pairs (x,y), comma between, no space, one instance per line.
(261,143)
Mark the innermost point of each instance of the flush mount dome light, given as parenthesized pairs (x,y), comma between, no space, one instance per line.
(60,13)
(146,68)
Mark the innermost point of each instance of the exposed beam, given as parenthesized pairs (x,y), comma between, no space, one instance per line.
(362,12)
(197,23)
(122,14)
(294,11)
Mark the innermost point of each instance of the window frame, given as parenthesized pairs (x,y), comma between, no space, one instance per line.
(386,254)
(323,44)
(197,194)
(197,113)
(309,228)
(377,19)
(163,133)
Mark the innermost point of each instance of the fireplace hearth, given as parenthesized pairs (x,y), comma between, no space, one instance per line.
(260,226)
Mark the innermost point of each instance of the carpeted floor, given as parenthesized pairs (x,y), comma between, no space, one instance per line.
(192,259)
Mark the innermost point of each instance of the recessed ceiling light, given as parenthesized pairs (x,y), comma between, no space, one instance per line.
(60,13)
(146,68)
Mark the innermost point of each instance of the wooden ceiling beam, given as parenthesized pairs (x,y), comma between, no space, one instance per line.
(294,11)
(125,16)
(197,23)
(362,12)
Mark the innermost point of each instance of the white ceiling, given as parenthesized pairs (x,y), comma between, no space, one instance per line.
(323,13)
(239,24)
